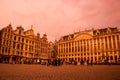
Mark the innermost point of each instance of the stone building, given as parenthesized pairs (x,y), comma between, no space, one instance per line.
(21,46)
(97,45)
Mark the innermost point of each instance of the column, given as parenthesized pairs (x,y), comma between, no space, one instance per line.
(77,46)
(116,42)
(104,46)
(112,45)
(86,44)
(89,49)
(93,43)
(86,49)
(97,50)
(79,50)
(65,47)
(83,44)
(74,50)
(119,47)
(101,42)
(108,44)
(91,46)
(59,50)
(68,47)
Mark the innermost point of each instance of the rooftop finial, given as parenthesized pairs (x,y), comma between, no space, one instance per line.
(92,28)
(10,24)
(31,26)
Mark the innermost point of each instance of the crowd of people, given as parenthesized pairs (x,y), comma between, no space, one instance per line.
(55,62)
(82,62)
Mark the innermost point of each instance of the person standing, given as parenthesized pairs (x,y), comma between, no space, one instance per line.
(91,62)
(87,62)
(109,62)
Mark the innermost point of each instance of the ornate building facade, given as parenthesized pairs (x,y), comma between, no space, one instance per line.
(96,45)
(21,46)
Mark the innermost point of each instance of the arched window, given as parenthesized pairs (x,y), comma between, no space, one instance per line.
(18,46)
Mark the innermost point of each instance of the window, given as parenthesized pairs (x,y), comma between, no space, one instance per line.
(72,55)
(78,48)
(69,44)
(4,35)
(13,44)
(91,58)
(99,58)
(81,54)
(87,53)
(32,42)
(66,44)
(115,57)
(9,50)
(21,53)
(22,47)
(18,46)
(95,53)
(98,53)
(95,58)
(8,30)
(111,57)
(14,37)
(98,43)
(22,39)
(6,50)
(95,44)
(81,49)
(87,45)
(84,48)
(8,36)
(69,49)
(118,42)
(18,53)
(114,41)
(6,42)
(19,39)
(25,53)
(11,37)
(72,49)
(26,40)
(110,42)
(84,54)
(66,49)
(3,50)
(26,47)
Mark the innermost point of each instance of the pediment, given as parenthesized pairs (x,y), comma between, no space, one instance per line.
(83,36)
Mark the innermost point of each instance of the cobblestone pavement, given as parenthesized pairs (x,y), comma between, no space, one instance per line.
(64,72)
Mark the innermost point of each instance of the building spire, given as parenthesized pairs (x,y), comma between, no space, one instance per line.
(31,26)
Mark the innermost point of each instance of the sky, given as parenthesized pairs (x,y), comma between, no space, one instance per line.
(57,18)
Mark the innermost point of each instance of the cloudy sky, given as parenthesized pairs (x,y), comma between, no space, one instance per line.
(60,17)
